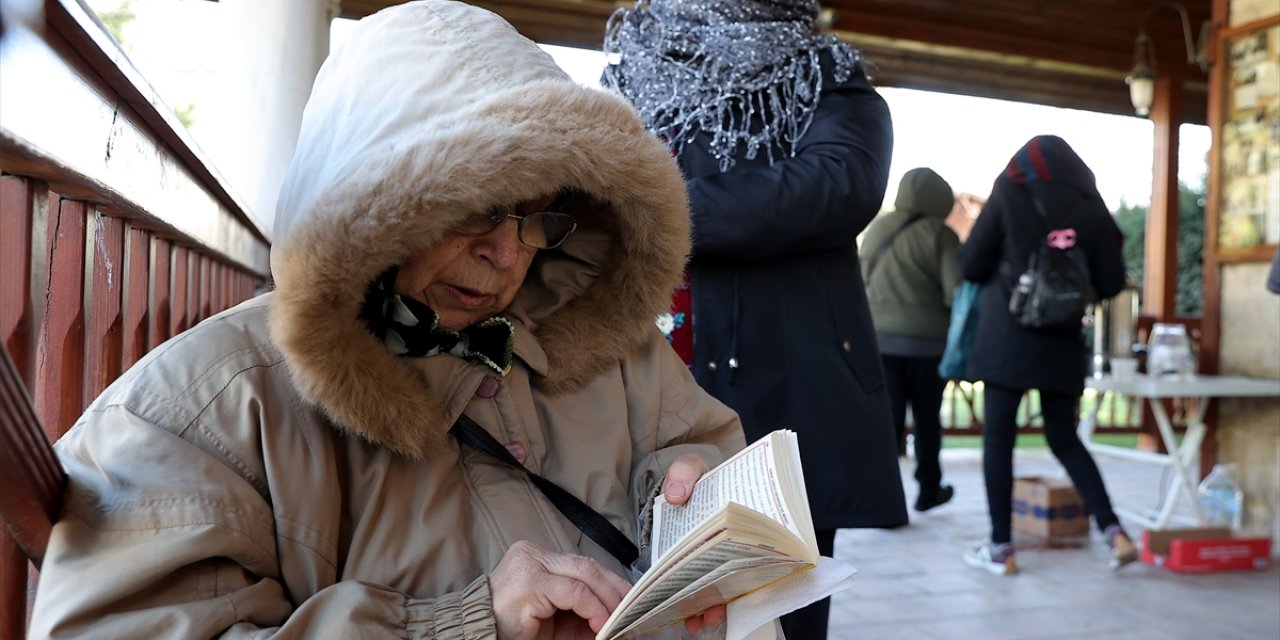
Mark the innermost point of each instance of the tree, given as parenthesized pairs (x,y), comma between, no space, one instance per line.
(116,19)
(186,115)
(1132,221)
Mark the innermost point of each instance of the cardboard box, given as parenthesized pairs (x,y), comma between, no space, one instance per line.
(1204,550)
(1048,507)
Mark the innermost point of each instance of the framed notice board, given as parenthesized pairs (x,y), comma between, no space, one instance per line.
(1248,209)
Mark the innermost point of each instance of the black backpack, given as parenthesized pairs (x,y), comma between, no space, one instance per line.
(1055,290)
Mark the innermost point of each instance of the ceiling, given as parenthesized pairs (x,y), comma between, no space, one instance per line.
(1070,53)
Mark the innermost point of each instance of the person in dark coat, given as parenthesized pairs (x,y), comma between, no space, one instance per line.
(1010,359)
(786,148)
(909,264)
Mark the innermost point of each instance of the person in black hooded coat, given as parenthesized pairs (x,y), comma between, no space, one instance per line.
(786,148)
(1010,359)
(782,329)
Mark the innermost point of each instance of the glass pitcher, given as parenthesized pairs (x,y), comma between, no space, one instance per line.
(1169,351)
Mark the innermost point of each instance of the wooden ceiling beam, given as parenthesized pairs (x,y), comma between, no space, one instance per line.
(1113,20)
(924,71)
(1071,54)
(560,25)
(1095,52)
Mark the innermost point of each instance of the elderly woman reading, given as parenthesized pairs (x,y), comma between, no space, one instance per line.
(469,248)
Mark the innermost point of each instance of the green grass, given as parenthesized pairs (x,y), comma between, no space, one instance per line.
(1037,441)
(957,411)
(1114,410)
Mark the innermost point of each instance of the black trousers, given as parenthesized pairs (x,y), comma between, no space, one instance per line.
(916,381)
(811,621)
(999,435)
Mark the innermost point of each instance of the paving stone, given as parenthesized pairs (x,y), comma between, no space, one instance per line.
(912,583)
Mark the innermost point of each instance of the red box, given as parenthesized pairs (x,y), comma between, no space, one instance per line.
(1204,550)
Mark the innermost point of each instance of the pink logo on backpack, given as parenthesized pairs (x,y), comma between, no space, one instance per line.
(1062,239)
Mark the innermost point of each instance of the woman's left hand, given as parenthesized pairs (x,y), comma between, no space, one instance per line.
(683,472)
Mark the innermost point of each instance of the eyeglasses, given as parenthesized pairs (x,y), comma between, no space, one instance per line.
(540,229)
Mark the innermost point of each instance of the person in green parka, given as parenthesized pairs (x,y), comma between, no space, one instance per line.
(909,264)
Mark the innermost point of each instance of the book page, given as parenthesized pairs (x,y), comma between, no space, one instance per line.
(690,569)
(751,507)
(726,583)
(749,478)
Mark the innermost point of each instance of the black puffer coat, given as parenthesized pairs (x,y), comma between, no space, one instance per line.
(782,332)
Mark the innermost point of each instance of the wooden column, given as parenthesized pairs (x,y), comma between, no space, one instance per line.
(1161,269)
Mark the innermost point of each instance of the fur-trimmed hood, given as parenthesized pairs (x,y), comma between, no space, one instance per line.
(429,112)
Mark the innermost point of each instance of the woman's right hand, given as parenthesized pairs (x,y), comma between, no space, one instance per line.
(539,593)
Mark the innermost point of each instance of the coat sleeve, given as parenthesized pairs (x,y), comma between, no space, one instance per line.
(688,420)
(818,200)
(871,241)
(948,270)
(1106,264)
(979,256)
(159,539)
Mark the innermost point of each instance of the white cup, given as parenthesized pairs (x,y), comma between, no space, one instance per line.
(1124,368)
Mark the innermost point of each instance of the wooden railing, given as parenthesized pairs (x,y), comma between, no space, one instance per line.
(962,411)
(962,402)
(115,232)
(85,294)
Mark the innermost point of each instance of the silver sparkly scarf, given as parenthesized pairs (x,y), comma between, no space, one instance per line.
(745,72)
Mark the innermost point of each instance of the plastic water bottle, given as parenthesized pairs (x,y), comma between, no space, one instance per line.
(1221,499)
(1018,296)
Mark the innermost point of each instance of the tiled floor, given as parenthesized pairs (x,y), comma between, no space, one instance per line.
(912,582)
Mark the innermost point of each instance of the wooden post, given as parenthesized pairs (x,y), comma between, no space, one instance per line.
(17,334)
(179,318)
(161,292)
(59,390)
(104,279)
(1161,269)
(17,327)
(13,584)
(1160,286)
(136,286)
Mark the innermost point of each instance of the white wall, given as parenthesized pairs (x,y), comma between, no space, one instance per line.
(246,66)
(263,84)
(1249,429)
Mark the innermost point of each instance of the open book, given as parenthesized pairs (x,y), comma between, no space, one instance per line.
(745,526)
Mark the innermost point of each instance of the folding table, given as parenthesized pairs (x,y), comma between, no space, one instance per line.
(1182,458)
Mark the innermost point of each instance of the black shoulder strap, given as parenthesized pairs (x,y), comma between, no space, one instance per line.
(884,246)
(596,526)
(1008,270)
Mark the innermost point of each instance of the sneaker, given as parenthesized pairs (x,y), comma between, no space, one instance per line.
(1122,550)
(936,498)
(997,559)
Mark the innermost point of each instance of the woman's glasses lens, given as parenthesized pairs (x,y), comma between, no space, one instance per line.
(546,229)
(541,229)
(480,223)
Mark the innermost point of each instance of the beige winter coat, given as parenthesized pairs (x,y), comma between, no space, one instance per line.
(276,470)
